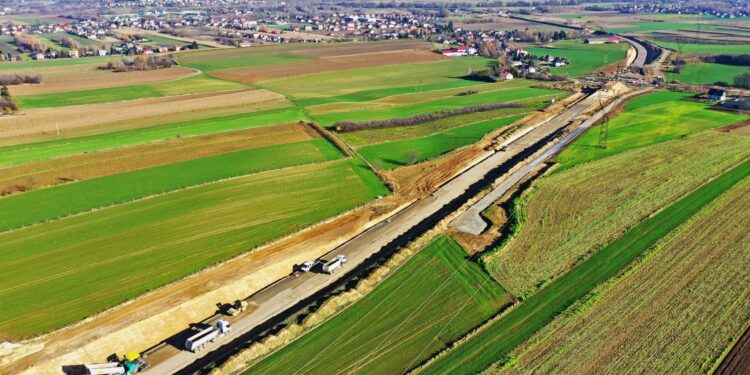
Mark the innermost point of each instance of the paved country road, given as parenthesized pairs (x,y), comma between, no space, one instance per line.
(389,234)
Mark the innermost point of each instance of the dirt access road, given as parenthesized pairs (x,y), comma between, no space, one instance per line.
(388,234)
(471,220)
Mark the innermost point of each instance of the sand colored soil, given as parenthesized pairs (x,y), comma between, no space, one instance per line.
(740,128)
(47,120)
(326,64)
(81,167)
(95,79)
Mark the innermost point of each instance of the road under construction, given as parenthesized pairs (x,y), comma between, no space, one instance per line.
(289,294)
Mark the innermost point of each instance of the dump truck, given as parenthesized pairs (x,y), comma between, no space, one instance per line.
(236,308)
(331,266)
(111,368)
(199,340)
(131,363)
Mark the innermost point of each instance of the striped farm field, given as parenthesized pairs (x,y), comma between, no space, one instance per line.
(23,153)
(451,102)
(410,316)
(333,84)
(604,198)
(64,200)
(687,292)
(706,48)
(63,271)
(494,342)
(391,155)
(362,138)
(58,171)
(191,85)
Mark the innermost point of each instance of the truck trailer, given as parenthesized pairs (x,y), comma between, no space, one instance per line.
(111,368)
(199,340)
(335,264)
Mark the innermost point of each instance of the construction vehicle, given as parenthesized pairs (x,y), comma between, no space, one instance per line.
(331,266)
(236,308)
(111,368)
(199,340)
(307,266)
(132,362)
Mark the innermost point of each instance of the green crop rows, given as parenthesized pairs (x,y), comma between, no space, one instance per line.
(63,200)
(396,154)
(54,273)
(190,85)
(52,149)
(493,343)
(403,321)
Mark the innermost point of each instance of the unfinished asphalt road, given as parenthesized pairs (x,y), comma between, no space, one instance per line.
(471,220)
(383,237)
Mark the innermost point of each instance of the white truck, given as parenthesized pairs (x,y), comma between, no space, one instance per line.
(111,368)
(199,340)
(331,266)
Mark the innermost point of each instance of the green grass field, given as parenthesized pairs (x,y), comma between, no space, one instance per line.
(333,84)
(433,299)
(63,271)
(450,102)
(705,48)
(703,73)
(396,154)
(190,85)
(584,58)
(18,154)
(375,94)
(245,61)
(646,120)
(57,62)
(647,27)
(68,199)
(375,136)
(495,342)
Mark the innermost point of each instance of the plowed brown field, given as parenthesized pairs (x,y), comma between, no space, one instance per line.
(81,167)
(47,120)
(87,79)
(737,360)
(326,64)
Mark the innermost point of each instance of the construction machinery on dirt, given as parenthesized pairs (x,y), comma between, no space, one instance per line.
(236,308)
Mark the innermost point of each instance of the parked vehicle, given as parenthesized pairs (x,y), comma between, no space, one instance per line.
(335,264)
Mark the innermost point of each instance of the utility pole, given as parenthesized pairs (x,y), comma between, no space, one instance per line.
(604,127)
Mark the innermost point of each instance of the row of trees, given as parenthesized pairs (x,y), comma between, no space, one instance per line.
(140,62)
(17,79)
(30,43)
(740,60)
(6,102)
(350,126)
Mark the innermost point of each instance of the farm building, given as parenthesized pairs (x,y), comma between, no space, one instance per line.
(717,94)
(459,51)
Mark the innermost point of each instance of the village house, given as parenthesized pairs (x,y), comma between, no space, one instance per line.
(717,94)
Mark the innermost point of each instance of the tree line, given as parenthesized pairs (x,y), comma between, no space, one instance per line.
(351,126)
